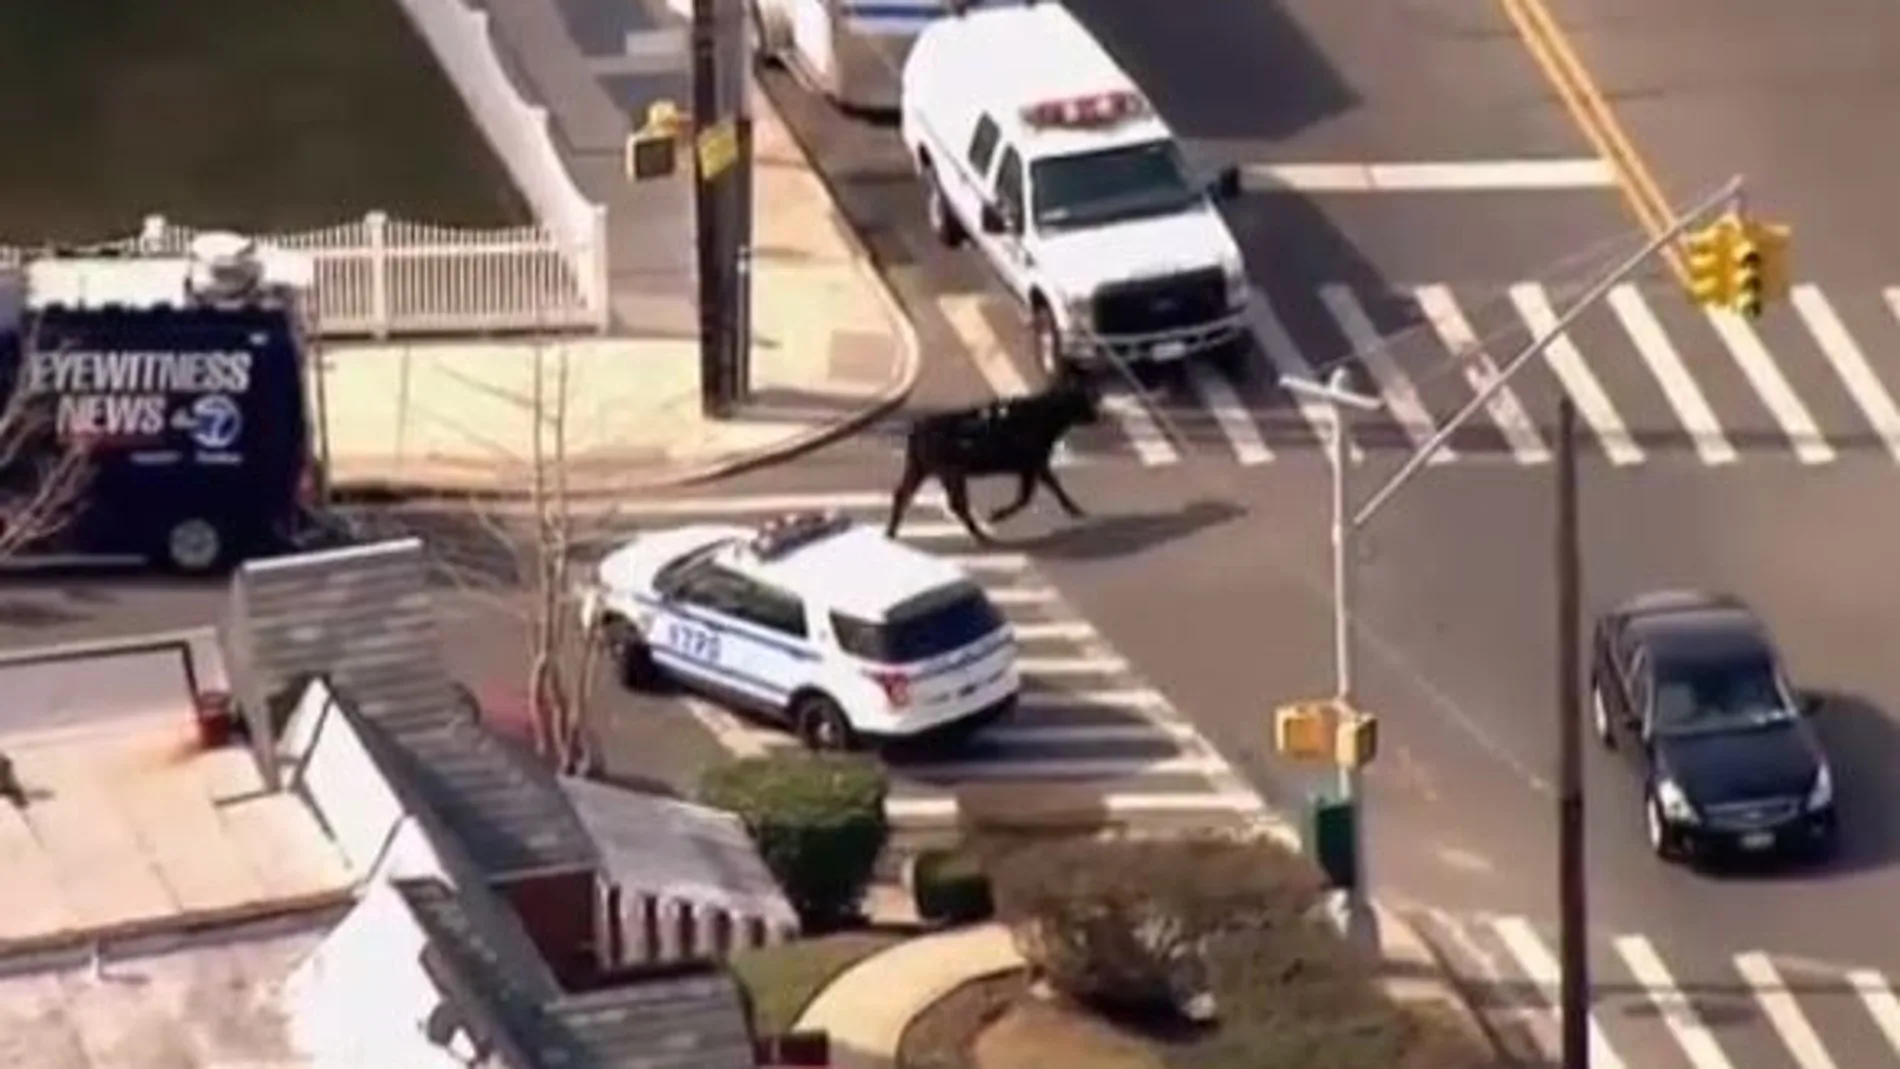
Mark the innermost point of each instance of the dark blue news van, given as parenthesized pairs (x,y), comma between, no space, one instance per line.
(180,415)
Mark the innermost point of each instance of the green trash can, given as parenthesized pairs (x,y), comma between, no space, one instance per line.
(1330,838)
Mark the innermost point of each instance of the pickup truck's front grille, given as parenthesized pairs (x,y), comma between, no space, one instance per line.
(1166,302)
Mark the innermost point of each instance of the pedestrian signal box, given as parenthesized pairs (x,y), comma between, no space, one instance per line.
(1306,731)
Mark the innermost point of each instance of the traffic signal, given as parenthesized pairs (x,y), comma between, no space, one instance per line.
(1709,261)
(1357,742)
(1771,249)
(653,149)
(1747,276)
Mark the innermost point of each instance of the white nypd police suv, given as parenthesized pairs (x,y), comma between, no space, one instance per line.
(843,634)
(1032,143)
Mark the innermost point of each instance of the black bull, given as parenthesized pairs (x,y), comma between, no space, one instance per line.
(1014,436)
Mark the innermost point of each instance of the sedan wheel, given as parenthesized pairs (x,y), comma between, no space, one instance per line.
(1658,831)
(1600,717)
(1048,343)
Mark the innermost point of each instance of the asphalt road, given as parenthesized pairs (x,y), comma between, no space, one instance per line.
(1722,454)
(1794,98)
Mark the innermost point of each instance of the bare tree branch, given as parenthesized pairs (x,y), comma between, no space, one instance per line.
(43,475)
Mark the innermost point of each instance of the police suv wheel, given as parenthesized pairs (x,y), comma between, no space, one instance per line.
(194,546)
(821,725)
(1049,360)
(632,658)
(943,222)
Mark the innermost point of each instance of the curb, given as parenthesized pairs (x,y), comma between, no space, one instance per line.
(893,395)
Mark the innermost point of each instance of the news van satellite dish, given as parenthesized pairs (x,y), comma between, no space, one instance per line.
(225,267)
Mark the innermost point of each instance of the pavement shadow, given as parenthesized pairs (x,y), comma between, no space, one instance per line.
(1862,740)
(1256,73)
(1128,534)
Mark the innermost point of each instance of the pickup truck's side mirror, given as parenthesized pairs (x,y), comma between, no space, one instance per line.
(1226,184)
(992,221)
(1810,704)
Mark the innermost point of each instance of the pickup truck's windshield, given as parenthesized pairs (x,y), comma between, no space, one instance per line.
(1108,186)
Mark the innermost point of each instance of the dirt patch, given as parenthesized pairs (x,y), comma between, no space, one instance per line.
(1044,1035)
(942,1037)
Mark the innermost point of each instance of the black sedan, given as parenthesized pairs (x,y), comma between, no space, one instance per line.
(1690,686)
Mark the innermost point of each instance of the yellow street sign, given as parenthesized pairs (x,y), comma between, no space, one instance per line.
(718,147)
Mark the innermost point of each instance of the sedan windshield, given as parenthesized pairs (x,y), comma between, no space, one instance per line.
(1737,695)
(1092,188)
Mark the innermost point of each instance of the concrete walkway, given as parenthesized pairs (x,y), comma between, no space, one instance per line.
(867,1007)
(832,351)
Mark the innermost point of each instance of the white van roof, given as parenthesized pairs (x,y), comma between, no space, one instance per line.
(1003,59)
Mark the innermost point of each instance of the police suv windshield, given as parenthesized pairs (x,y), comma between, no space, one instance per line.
(927,627)
(1700,697)
(1094,188)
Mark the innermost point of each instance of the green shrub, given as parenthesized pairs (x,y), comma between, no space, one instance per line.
(1127,925)
(818,821)
(951,887)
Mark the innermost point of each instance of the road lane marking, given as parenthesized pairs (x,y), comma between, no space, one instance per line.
(1017,595)
(1541,967)
(972,327)
(1151,446)
(1684,395)
(989,562)
(1552,52)
(1435,177)
(1070,666)
(1576,377)
(1218,396)
(1850,362)
(1289,363)
(1056,631)
(1242,802)
(1401,397)
(1784,1013)
(1796,421)
(1070,768)
(1458,337)
(1678,1014)
(1137,699)
(1877,995)
(739,739)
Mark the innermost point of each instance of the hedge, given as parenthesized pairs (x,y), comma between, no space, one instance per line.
(818,821)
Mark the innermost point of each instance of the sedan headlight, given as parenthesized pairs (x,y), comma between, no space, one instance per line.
(1675,804)
(1821,795)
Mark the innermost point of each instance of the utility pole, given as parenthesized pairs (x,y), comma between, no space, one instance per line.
(1345,527)
(722,203)
(1572,907)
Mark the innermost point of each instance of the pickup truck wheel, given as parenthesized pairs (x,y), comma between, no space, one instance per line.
(1049,358)
(943,222)
(822,725)
(632,659)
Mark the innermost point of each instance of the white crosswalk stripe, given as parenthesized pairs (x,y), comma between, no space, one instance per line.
(1850,362)
(1808,1007)
(1745,346)
(1593,404)
(1085,716)
(1657,344)
(1289,363)
(1454,330)
(1230,412)
(1401,396)
(1705,433)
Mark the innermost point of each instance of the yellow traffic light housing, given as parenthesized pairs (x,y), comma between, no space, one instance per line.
(1771,247)
(1306,731)
(1746,275)
(1709,261)
(653,149)
(1356,740)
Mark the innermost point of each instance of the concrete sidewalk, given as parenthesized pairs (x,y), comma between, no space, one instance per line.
(832,351)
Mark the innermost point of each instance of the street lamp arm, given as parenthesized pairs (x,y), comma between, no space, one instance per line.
(1726,195)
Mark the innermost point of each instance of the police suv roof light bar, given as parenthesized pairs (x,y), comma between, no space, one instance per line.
(795,530)
(1095,109)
